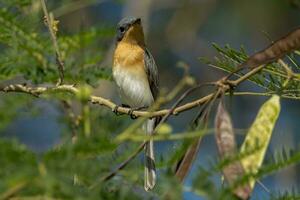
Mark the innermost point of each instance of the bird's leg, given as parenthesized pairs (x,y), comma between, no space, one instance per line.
(130,112)
(115,110)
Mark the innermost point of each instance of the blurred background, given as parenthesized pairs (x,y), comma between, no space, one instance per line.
(180,31)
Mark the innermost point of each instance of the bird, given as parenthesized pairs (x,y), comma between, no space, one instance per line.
(135,73)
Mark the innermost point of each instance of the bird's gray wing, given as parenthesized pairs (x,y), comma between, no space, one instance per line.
(152,73)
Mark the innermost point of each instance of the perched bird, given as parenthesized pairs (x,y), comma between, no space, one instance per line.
(136,76)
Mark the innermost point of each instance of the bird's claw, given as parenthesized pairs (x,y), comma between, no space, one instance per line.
(115,110)
(130,112)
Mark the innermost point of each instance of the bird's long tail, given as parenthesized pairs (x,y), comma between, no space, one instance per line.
(150,171)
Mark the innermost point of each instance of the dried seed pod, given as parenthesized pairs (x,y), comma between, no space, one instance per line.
(184,165)
(226,144)
(276,50)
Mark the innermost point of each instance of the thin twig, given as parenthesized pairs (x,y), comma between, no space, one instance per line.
(181,98)
(74,119)
(246,76)
(184,164)
(121,166)
(59,62)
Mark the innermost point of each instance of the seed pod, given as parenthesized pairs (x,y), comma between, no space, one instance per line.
(259,136)
(226,144)
(276,50)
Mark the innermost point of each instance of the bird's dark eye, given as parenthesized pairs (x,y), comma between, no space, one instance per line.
(122,29)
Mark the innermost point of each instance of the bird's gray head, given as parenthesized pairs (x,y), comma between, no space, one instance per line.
(125,24)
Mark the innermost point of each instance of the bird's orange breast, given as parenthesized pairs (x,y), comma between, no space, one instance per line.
(130,75)
(130,56)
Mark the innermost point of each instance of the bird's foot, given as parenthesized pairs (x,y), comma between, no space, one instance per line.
(115,110)
(130,112)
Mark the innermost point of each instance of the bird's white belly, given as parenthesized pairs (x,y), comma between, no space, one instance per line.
(134,88)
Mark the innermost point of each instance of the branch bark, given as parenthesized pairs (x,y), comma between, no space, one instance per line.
(37,91)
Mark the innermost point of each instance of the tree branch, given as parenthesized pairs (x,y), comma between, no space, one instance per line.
(37,91)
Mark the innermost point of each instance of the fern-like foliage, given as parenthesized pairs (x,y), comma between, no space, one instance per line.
(272,78)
